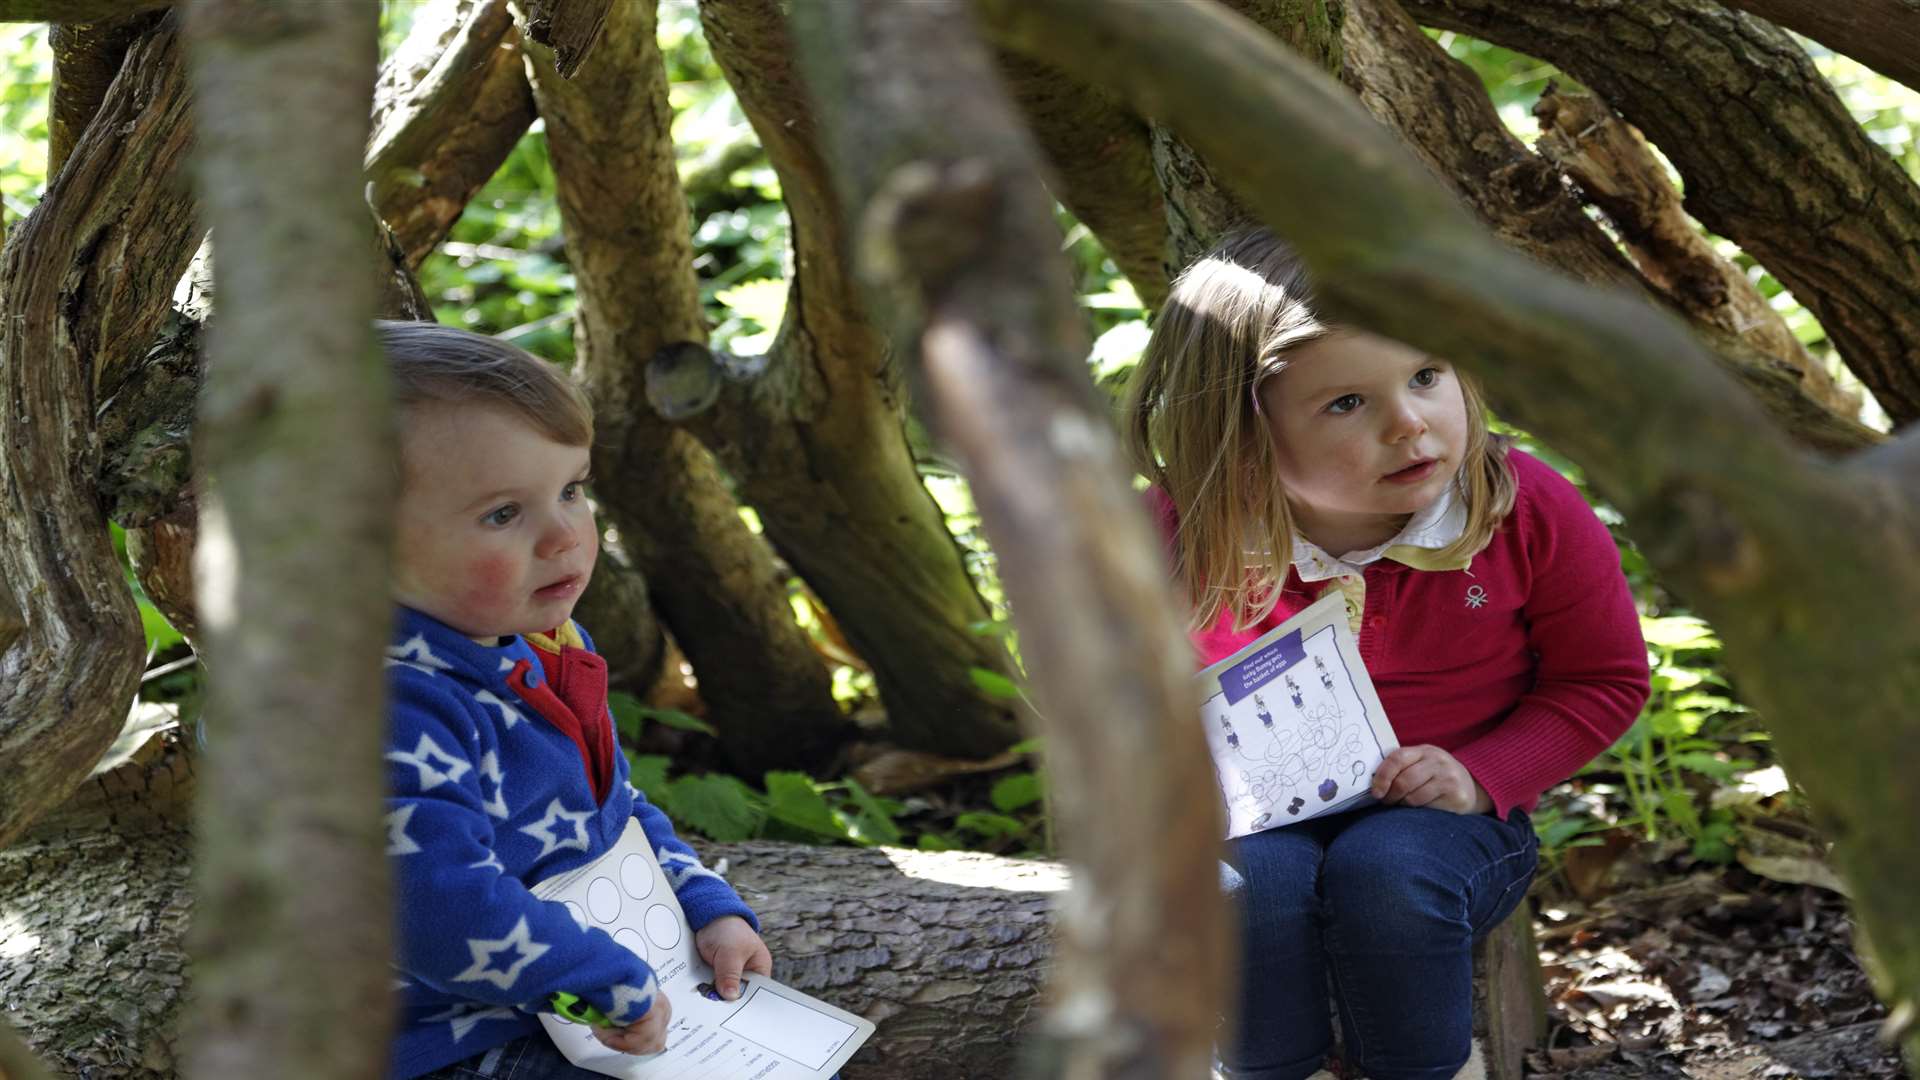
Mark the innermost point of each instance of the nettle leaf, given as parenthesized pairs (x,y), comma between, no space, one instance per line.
(648,772)
(993,683)
(1711,765)
(720,806)
(793,799)
(630,713)
(1016,791)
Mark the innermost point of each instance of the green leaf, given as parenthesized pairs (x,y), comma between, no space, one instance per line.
(1035,745)
(1673,723)
(993,683)
(719,806)
(160,633)
(648,772)
(1678,805)
(1013,792)
(629,713)
(938,842)
(874,823)
(793,798)
(990,627)
(1678,632)
(991,826)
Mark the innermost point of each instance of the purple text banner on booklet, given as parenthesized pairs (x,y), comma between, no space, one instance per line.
(1256,671)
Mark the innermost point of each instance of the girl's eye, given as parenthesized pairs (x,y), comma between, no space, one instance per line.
(570,492)
(1425,377)
(1345,403)
(502,516)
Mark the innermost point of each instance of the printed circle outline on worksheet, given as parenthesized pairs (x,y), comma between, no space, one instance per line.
(603,900)
(636,876)
(662,928)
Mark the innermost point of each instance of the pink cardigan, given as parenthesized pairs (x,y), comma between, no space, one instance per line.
(1525,665)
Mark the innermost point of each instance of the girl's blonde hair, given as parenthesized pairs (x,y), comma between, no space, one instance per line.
(1194,428)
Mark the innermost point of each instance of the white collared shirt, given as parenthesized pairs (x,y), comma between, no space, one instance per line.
(1439,523)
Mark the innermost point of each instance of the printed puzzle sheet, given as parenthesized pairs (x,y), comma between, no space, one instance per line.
(770,1032)
(1294,724)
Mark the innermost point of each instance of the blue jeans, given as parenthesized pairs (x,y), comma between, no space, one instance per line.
(1386,900)
(530,1057)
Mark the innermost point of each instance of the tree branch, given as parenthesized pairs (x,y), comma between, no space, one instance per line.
(448,108)
(568,27)
(953,228)
(296,440)
(1770,156)
(1882,34)
(86,57)
(75,11)
(817,438)
(84,281)
(714,582)
(1726,511)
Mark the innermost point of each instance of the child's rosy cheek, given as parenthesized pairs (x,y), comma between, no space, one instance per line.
(488,580)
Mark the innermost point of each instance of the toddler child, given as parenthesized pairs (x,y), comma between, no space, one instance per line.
(1290,456)
(502,764)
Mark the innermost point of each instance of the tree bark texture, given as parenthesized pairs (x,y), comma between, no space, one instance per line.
(1882,34)
(568,27)
(1441,112)
(448,108)
(84,282)
(629,240)
(295,445)
(1618,173)
(86,57)
(1770,156)
(1729,513)
(816,439)
(955,237)
(1100,164)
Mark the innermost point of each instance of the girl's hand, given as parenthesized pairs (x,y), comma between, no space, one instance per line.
(647,1035)
(1429,776)
(729,946)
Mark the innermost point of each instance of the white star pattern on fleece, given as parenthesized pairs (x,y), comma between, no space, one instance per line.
(519,944)
(463,1018)
(424,754)
(415,653)
(398,842)
(496,804)
(544,829)
(630,1002)
(680,867)
(508,714)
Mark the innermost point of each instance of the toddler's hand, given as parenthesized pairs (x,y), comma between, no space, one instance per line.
(1429,776)
(729,946)
(647,1035)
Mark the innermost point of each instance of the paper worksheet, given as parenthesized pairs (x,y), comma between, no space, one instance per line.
(1293,721)
(770,1032)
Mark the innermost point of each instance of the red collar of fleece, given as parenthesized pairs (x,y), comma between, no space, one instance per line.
(573,698)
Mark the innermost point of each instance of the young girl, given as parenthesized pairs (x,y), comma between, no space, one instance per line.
(1288,457)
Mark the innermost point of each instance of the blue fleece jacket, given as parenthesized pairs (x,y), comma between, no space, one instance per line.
(486,797)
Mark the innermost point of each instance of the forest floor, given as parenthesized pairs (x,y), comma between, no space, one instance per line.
(1706,974)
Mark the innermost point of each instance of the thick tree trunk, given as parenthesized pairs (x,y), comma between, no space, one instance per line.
(84,282)
(1770,156)
(1729,513)
(713,580)
(295,445)
(814,434)
(956,239)
(86,57)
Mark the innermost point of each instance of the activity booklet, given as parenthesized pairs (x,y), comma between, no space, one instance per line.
(770,1032)
(1293,721)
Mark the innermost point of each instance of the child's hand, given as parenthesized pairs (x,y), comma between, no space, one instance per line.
(729,946)
(647,1035)
(1429,776)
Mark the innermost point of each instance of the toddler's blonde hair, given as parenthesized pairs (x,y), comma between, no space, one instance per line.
(1193,426)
